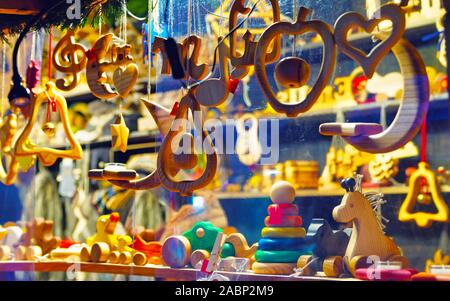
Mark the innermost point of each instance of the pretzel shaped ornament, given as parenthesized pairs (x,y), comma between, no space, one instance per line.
(370,137)
(292,72)
(242,62)
(48,155)
(170,161)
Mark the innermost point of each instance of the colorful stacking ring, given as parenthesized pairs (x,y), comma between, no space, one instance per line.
(283,232)
(282,209)
(280,221)
(291,244)
(278,256)
(273,268)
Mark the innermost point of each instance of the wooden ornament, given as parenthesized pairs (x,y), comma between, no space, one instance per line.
(240,245)
(119,134)
(367,236)
(69,57)
(347,21)
(176,251)
(283,232)
(383,168)
(125,78)
(39,232)
(212,92)
(247,58)
(273,268)
(113,172)
(48,155)
(166,157)
(248,148)
(424,219)
(299,27)
(161,115)
(149,248)
(412,111)
(8,170)
(292,72)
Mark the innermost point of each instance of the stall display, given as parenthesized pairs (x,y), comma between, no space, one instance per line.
(157,152)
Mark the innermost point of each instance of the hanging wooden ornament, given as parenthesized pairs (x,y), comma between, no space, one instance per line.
(370,137)
(8,129)
(248,147)
(119,134)
(169,160)
(69,58)
(242,62)
(293,71)
(48,155)
(383,168)
(424,219)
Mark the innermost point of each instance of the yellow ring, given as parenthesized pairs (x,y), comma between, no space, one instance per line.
(283,232)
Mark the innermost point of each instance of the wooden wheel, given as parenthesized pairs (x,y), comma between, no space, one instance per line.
(114,257)
(139,258)
(125,258)
(400,258)
(357,262)
(85,254)
(100,252)
(302,262)
(333,266)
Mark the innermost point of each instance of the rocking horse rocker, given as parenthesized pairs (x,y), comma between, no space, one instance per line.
(368,238)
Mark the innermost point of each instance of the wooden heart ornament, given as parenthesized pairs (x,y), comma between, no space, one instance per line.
(125,78)
(284,67)
(169,159)
(347,21)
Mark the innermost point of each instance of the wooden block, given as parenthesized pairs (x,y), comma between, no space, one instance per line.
(283,232)
(273,268)
(176,251)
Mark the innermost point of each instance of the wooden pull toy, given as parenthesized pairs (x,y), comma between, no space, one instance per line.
(48,155)
(248,148)
(39,232)
(416,93)
(367,237)
(70,58)
(424,219)
(293,71)
(168,160)
(242,62)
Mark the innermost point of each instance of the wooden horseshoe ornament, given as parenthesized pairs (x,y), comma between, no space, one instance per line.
(241,63)
(70,58)
(423,219)
(293,72)
(8,129)
(48,155)
(248,147)
(370,137)
(169,162)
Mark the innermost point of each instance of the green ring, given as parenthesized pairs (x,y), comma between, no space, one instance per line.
(278,256)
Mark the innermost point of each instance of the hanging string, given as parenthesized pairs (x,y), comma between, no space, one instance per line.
(189,21)
(50,53)
(423,146)
(149,46)
(3,78)
(294,11)
(100,12)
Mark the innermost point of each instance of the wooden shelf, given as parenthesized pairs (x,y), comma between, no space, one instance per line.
(147,270)
(391,190)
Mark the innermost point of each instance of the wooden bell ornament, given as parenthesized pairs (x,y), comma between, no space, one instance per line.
(424,219)
(169,162)
(48,155)
(293,71)
(242,62)
(370,137)
(8,129)
(69,58)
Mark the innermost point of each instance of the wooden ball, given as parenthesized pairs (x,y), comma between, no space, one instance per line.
(292,72)
(282,192)
(176,251)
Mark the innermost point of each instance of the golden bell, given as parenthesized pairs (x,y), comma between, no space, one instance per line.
(424,199)
(49,129)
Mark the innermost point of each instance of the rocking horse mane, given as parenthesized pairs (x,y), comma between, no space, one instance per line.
(376,199)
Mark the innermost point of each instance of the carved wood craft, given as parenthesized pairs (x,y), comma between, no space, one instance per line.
(299,27)
(39,232)
(367,237)
(424,219)
(48,155)
(168,162)
(69,57)
(248,148)
(9,169)
(416,95)
(242,62)
(119,134)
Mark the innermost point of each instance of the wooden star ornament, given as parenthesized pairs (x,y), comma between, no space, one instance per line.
(119,134)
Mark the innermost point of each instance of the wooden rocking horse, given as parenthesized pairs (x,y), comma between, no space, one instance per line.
(368,238)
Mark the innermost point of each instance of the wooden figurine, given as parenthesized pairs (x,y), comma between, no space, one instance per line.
(10,237)
(242,62)
(39,232)
(371,137)
(48,155)
(70,58)
(248,148)
(328,252)
(288,69)
(168,161)
(424,219)
(368,238)
(150,248)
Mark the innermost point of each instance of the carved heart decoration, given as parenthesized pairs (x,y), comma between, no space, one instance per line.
(369,62)
(125,78)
